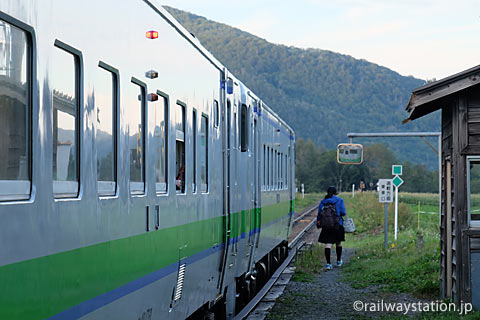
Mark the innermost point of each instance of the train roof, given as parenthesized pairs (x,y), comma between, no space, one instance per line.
(157,7)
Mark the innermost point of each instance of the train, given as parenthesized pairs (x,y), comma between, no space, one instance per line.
(139,178)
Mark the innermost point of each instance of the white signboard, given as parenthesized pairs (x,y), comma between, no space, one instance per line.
(385,190)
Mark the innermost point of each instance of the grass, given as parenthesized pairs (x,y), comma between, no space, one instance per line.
(401,268)
(404,267)
(310,198)
(308,263)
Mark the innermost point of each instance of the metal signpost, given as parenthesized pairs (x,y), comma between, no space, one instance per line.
(385,196)
(412,134)
(397,182)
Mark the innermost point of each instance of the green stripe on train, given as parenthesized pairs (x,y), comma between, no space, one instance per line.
(42,287)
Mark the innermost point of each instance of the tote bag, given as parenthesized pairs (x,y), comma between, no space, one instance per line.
(349,225)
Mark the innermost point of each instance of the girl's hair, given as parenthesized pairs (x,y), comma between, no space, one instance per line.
(330,192)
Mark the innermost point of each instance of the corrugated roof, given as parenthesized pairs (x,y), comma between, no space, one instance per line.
(432,96)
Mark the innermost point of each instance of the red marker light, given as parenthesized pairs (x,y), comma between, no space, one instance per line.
(151,34)
(152,97)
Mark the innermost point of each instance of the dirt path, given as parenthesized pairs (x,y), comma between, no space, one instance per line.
(329,298)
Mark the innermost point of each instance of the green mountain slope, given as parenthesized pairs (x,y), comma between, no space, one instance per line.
(323,95)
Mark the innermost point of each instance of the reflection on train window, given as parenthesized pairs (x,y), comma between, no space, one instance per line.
(180,147)
(135,115)
(243,128)
(216,113)
(194,152)
(15,110)
(65,83)
(204,154)
(160,138)
(105,99)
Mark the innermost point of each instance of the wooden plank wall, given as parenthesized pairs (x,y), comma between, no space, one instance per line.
(446,156)
(460,239)
(473,97)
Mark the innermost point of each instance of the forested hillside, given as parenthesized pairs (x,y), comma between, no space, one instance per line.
(323,95)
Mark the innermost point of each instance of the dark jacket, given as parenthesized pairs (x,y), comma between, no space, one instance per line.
(339,206)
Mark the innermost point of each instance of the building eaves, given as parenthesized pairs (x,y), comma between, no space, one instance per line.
(431,97)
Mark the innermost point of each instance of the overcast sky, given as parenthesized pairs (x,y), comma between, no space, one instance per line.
(424,38)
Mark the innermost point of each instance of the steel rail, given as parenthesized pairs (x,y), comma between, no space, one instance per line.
(305,214)
(293,247)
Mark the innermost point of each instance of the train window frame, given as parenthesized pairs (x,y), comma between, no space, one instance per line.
(204,187)
(194,150)
(243,127)
(71,189)
(18,190)
(162,187)
(181,138)
(138,188)
(109,188)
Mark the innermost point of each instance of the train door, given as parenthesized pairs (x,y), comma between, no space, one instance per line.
(226,125)
(255,211)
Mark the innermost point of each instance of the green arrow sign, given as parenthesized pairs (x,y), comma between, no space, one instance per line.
(397,181)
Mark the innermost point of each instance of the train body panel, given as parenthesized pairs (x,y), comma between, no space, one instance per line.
(133,245)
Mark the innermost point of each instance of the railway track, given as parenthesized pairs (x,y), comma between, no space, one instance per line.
(301,226)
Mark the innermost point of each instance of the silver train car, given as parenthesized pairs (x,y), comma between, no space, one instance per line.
(139,179)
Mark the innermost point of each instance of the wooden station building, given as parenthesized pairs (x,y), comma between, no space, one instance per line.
(458,96)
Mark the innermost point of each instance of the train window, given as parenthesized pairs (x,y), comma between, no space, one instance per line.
(180,147)
(271,169)
(279,168)
(204,153)
(194,152)
(275,169)
(235,136)
(267,165)
(106,104)
(264,166)
(66,120)
(274,172)
(216,113)
(243,128)
(135,115)
(160,141)
(15,112)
